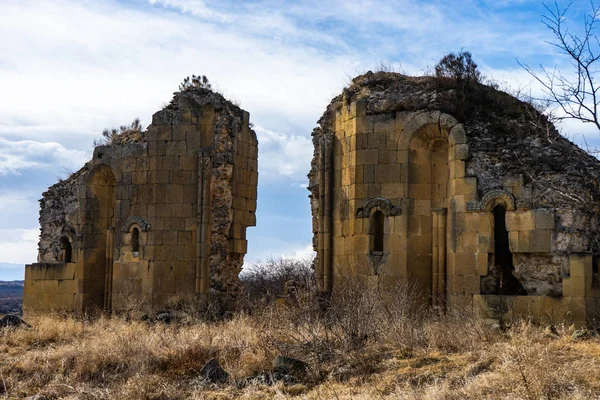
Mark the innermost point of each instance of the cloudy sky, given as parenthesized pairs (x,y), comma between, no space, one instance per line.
(69,69)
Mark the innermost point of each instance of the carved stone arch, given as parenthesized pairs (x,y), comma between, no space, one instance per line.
(495,197)
(378,203)
(491,199)
(143,225)
(422,119)
(436,141)
(457,135)
(110,173)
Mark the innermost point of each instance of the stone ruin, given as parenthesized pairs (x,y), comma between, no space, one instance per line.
(154,217)
(463,191)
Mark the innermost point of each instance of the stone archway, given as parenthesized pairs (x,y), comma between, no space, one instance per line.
(428,191)
(435,145)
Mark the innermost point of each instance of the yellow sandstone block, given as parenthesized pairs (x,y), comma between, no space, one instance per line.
(520,220)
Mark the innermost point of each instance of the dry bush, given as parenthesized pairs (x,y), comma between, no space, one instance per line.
(134,132)
(457,329)
(266,280)
(458,66)
(362,324)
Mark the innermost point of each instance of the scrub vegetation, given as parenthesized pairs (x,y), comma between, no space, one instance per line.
(362,343)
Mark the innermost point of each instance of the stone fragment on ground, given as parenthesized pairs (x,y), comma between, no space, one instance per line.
(213,372)
(164,316)
(286,370)
(550,331)
(289,366)
(581,334)
(12,321)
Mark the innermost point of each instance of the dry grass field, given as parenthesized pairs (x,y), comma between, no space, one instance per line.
(360,347)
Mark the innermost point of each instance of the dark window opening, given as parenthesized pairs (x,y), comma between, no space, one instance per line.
(595,264)
(507,283)
(377,226)
(135,240)
(67,250)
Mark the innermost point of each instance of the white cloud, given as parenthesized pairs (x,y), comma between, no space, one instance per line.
(11,199)
(305,253)
(301,252)
(26,154)
(283,155)
(19,246)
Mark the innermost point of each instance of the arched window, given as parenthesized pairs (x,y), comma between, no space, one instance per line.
(135,240)
(67,250)
(377,229)
(502,254)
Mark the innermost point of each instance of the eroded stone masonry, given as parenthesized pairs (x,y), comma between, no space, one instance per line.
(154,217)
(463,191)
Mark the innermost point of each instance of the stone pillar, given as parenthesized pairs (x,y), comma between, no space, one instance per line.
(203,225)
(325,251)
(110,240)
(439,256)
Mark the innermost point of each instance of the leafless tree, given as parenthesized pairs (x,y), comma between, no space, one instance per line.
(574,92)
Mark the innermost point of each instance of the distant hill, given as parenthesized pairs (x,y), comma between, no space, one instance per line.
(11,297)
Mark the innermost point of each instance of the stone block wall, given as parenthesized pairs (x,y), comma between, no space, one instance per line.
(53,286)
(158,219)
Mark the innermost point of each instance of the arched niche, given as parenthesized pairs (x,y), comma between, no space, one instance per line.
(66,250)
(378,210)
(433,141)
(99,234)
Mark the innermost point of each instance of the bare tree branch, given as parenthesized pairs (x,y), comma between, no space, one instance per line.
(577,97)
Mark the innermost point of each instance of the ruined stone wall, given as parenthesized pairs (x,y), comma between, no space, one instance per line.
(434,159)
(59,219)
(156,219)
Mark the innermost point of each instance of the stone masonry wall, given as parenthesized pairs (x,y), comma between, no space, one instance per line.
(427,162)
(156,219)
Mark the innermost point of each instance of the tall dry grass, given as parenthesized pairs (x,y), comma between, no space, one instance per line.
(361,343)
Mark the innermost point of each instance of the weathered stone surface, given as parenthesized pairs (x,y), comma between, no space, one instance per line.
(213,372)
(12,321)
(289,366)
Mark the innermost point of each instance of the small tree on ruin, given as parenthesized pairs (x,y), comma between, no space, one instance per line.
(459,67)
(195,82)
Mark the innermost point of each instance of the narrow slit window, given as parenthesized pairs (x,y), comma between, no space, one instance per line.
(377,226)
(67,250)
(502,253)
(135,240)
